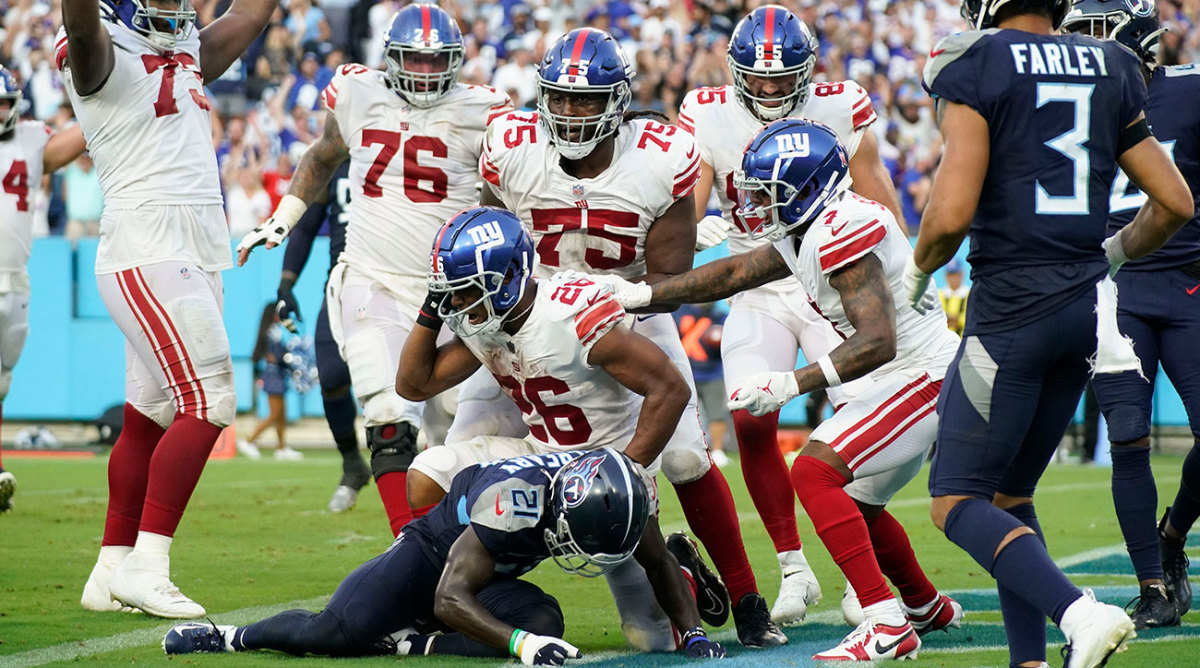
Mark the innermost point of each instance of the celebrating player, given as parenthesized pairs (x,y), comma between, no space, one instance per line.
(1158,312)
(27,150)
(412,135)
(135,73)
(1034,124)
(587,511)
(772,56)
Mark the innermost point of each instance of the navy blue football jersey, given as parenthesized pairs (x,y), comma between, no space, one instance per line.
(1055,107)
(1174,116)
(336,211)
(504,502)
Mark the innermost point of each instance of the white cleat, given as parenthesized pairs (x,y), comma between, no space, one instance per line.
(144,582)
(1102,633)
(96,595)
(875,642)
(851,608)
(344,498)
(288,455)
(798,590)
(248,449)
(8,487)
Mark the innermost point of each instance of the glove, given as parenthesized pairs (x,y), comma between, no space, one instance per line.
(697,645)
(916,284)
(428,316)
(711,231)
(630,295)
(536,650)
(764,392)
(286,308)
(1114,250)
(275,229)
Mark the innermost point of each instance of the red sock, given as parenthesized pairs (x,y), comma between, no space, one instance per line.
(418,513)
(896,559)
(128,471)
(175,469)
(841,527)
(708,506)
(393,490)
(766,477)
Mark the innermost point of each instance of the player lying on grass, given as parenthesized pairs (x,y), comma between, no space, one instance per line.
(455,570)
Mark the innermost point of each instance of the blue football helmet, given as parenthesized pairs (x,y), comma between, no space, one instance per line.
(423,31)
(9,90)
(487,249)
(139,16)
(1133,23)
(772,42)
(791,170)
(598,509)
(981,14)
(585,60)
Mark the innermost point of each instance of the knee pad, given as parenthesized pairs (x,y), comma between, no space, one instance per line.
(161,412)
(684,465)
(644,624)
(222,403)
(1127,424)
(393,447)
(332,371)
(387,407)
(439,464)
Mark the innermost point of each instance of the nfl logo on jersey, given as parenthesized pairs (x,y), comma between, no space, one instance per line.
(577,190)
(577,485)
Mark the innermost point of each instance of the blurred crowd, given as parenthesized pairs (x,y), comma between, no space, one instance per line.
(268,104)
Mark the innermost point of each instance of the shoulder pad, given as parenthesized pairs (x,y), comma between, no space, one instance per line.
(950,49)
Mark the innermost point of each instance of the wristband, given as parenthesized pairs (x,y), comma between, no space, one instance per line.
(289,211)
(514,642)
(831,375)
(694,635)
(428,315)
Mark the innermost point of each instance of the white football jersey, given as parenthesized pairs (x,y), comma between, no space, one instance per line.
(845,232)
(411,169)
(597,225)
(566,402)
(20,181)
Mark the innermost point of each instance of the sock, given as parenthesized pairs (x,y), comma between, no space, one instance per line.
(1136,500)
(113,555)
(153,544)
(1186,508)
(766,476)
(1023,565)
(840,526)
(175,469)
(894,553)
(128,472)
(708,506)
(355,472)
(393,490)
(418,513)
(1024,624)
(885,612)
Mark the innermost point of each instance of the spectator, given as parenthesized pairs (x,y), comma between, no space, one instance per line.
(700,328)
(518,77)
(954,297)
(246,202)
(307,25)
(85,200)
(308,82)
(268,359)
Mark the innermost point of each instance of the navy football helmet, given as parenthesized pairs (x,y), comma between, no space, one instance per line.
(1133,23)
(9,90)
(790,171)
(598,507)
(981,14)
(772,42)
(585,60)
(487,249)
(139,16)
(423,32)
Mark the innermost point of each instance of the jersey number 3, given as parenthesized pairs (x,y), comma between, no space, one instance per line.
(421,184)
(1071,145)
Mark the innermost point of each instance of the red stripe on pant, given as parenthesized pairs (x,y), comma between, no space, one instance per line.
(200,401)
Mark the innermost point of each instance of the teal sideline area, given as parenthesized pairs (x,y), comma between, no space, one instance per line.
(73,366)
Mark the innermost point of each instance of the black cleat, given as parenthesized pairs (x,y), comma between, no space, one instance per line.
(197,637)
(1175,567)
(711,596)
(1154,608)
(754,625)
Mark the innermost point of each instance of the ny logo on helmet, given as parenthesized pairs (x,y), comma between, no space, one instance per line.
(1140,7)
(579,482)
(792,146)
(486,235)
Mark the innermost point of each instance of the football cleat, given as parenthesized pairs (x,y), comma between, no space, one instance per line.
(195,637)
(144,582)
(711,596)
(798,589)
(1098,636)
(945,614)
(851,608)
(1153,608)
(754,625)
(344,498)
(8,487)
(96,595)
(873,642)
(1175,567)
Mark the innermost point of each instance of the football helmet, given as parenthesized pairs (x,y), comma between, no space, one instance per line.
(772,42)
(423,32)
(598,509)
(585,60)
(9,90)
(484,248)
(981,14)
(139,16)
(798,167)
(1133,23)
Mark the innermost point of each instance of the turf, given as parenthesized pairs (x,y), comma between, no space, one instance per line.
(257,540)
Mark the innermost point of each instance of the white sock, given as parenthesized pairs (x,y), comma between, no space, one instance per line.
(113,555)
(1075,614)
(885,612)
(153,544)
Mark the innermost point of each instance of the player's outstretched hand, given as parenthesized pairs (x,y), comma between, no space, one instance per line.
(704,648)
(287,309)
(537,650)
(764,392)
(711,231)
(275,229)
(916,284)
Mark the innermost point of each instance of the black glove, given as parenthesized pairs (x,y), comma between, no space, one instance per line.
(698,646)
(428,315)
(286,308)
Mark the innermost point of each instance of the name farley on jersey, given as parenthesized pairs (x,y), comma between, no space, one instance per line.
(1053,58)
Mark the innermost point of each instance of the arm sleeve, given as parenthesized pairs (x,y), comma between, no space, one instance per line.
(300,241)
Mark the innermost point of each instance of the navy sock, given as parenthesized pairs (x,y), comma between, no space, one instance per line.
(1186,508)
(340,412)
(1023,565)
(1024,624)
(1136,500)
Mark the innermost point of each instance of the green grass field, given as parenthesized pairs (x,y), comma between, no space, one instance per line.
(257,540)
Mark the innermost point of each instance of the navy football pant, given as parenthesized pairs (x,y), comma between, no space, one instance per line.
(340,408)
(388,593)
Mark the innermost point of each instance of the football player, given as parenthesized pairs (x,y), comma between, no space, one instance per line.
(1034,124)
(1157,310)
(28,149)
(134,71)
(412,135)
(772,55)
(461,562)
(604,194)
(849,255)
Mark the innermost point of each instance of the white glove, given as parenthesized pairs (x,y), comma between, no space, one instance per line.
(542,650)
(711,231)
(275,229)
(916,286)
(1114,250)
(764,392)
(629,295)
